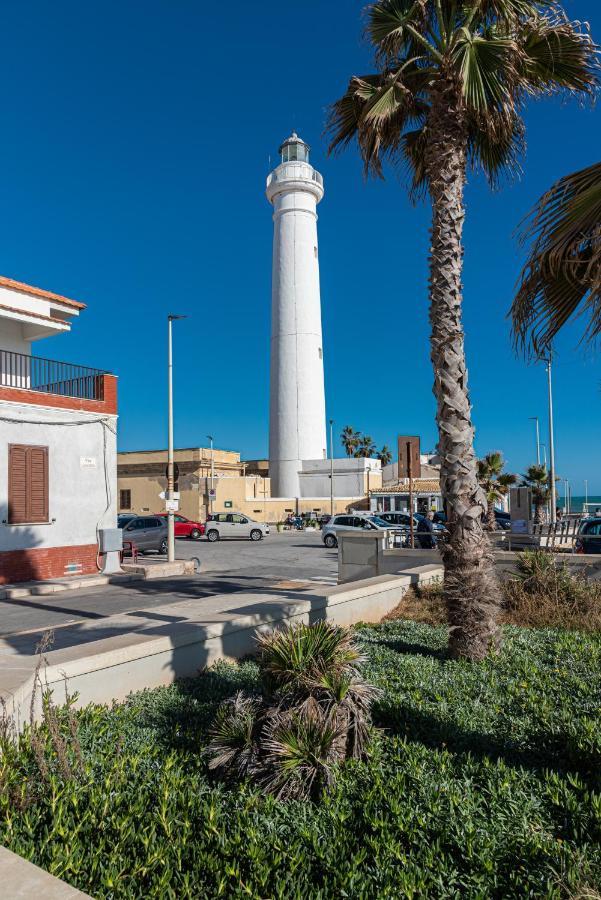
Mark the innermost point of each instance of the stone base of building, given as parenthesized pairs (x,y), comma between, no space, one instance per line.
(42,563)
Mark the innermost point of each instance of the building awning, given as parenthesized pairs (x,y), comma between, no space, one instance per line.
(420,486)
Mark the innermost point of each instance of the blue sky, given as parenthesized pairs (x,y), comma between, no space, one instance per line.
(136,143)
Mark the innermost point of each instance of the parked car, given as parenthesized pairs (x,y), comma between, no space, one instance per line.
(234,525)
(146,532)
(186,527)
(588,539)
(503,519)
(401,518)
(344,523)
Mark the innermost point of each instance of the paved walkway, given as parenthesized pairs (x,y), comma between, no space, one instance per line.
(93,614)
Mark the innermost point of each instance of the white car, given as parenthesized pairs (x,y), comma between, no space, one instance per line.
(366,522)
(234,525)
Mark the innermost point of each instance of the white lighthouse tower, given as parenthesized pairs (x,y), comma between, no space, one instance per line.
(297,416)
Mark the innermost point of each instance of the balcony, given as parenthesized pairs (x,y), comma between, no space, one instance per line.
(47,376)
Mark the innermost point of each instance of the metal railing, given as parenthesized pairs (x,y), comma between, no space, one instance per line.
(302,171)
(48,376)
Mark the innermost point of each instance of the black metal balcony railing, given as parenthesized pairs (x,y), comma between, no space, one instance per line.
(32,373)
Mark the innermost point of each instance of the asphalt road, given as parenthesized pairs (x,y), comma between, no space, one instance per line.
(226,567)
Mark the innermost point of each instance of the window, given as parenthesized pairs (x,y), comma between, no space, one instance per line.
(124,499)
(27,484)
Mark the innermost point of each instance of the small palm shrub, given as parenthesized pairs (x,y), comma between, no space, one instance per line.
(314,712)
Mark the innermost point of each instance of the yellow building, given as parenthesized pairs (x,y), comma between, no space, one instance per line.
(142,477)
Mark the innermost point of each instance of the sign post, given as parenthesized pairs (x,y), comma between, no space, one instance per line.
(409,466)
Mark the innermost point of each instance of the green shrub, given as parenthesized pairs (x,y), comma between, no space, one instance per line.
(315,713)
(484,784)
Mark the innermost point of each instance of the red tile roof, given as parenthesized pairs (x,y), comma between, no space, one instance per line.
(39,292)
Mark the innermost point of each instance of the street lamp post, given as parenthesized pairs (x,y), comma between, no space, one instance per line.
(585,495)
(170,479)
(544,449)
(212,494)
(535,419)
(551,444)
(332,467)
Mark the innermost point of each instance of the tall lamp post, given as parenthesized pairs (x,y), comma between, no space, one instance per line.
(535,419)
(212,494)
(551,444)
(170,479)
(544,449)
(332,467)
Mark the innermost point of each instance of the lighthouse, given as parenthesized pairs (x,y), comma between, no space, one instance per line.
(297,418)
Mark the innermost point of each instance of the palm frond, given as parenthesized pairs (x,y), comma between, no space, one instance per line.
(487,69)
(497,141)
(392,24)
(562,276)
(558,55)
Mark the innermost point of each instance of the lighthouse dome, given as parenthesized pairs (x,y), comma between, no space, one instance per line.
(294,149)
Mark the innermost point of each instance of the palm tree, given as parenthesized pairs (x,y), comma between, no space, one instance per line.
(384,455)
(350,439)
(451,79)
(536,478)
(563,271)
(494,482)
(365,448)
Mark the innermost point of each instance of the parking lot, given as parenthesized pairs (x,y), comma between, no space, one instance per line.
(288,554)
(226,567)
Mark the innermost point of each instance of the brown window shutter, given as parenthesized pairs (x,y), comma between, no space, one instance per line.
(17,484)
(38,484)
(27,484)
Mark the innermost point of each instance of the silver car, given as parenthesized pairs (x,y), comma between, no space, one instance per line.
(234,525)
(365,522)
(146,532)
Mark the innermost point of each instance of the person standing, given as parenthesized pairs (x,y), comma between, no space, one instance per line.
(425,532)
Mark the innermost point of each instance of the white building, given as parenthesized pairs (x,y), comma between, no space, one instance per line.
(351,477)
(297,417)
(58,467)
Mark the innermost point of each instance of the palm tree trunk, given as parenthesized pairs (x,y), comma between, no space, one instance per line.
(471,590)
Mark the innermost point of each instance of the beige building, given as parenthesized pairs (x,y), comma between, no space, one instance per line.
(142,478)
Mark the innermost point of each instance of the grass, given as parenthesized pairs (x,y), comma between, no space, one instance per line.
(542,593)
(484,782)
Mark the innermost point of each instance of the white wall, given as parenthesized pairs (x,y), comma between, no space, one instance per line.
(11,337)
(349,477)
(77,492)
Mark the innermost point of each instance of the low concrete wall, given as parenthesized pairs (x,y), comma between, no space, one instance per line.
(21,880)
(108,669)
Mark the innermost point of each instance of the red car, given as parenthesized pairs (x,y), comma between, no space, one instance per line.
(186,527)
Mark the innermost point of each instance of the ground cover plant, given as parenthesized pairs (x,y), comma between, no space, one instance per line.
(484,782)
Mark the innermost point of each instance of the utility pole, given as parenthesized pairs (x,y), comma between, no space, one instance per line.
(585,495)
(410,474)
(170,479)
(212,494)
(551,444)
(535,419)
(332,468)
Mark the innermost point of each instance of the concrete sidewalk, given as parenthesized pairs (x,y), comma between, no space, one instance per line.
(106,657)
